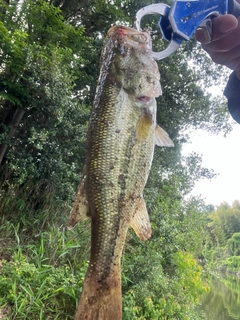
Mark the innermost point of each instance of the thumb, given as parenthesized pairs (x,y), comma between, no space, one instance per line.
(222,25)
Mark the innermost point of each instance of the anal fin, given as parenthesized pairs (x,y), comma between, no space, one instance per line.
(140,220)
(80,208)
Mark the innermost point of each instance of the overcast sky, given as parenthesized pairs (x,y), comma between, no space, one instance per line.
(222,155)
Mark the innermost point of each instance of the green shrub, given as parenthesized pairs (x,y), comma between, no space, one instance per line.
(39,292)
(232,263)
(177,295)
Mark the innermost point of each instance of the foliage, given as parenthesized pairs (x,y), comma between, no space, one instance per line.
(176,297)
(38,62)
(232,263)
(155,272)
(41,274)
(39,292)
(222,244)
(233,244)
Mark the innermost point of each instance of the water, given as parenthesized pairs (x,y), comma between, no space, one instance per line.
(223,300)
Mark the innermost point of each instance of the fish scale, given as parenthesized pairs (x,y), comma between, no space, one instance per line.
(111,156)
(121,137)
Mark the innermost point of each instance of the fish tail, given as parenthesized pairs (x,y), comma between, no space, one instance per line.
(101,299)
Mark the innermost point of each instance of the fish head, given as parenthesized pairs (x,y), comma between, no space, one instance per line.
(133,68)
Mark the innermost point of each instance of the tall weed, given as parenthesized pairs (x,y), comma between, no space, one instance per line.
(42,264)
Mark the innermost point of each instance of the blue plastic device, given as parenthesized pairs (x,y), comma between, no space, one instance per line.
(184,16)
(180,21)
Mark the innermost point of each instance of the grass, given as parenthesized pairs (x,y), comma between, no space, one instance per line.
(42,268)
(42,264)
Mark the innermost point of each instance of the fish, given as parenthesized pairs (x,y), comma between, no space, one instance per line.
(120,145)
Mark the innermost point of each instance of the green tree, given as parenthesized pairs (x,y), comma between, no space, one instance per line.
(233,244)
(43,123)
(226,220)
(222,235)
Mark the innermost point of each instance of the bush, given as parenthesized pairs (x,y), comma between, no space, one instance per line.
(232,263)
(176,298)
(34,292)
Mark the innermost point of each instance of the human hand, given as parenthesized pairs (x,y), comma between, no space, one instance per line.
(225,47)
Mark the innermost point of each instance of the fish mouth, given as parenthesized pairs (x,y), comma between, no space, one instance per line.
(130,36)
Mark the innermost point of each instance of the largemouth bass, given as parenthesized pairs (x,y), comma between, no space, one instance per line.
(120,145)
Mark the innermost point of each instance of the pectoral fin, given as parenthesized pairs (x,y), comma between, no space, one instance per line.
(144,125)
(80,209)
(140,221)
(162,139)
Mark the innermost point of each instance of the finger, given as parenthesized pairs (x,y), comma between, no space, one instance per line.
(222,25)
(225,57)
(233,64)
(226,43)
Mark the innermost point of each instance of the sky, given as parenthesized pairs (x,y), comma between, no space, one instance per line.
(223,156)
